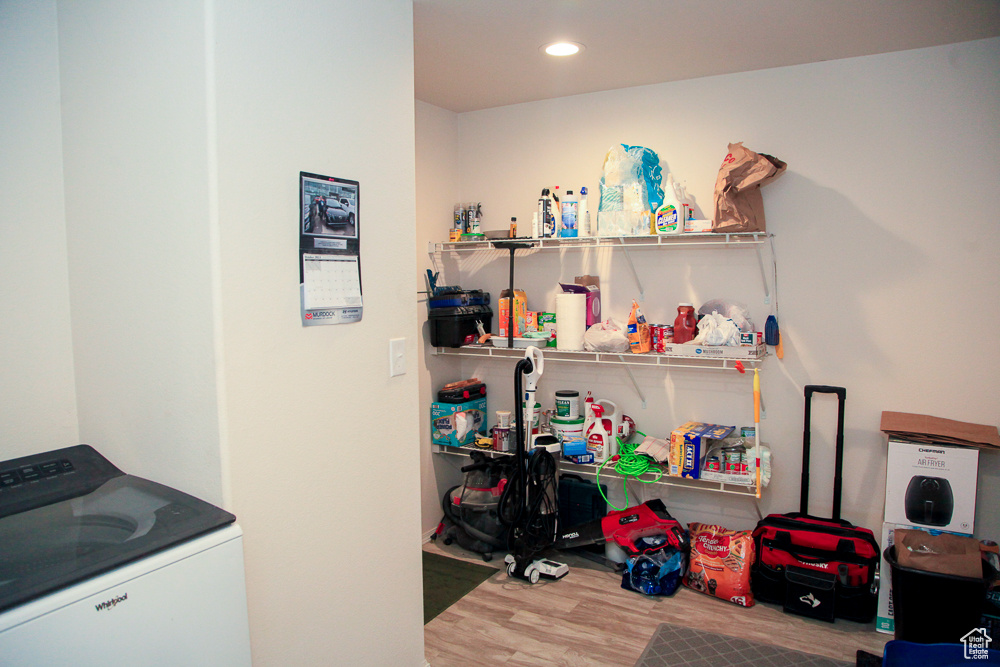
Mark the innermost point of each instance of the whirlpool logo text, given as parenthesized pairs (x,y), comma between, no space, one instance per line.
(108,604)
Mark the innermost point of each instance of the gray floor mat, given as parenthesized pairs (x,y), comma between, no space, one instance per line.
(678,646)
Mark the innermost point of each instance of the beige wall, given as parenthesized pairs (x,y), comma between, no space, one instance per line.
(884,234)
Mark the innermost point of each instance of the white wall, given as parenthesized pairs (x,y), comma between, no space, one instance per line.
(136,170)
(184,126)
(37,395)
(322,441)
(885,239)
(438,176)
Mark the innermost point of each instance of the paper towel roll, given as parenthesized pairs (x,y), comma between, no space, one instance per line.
(571,321)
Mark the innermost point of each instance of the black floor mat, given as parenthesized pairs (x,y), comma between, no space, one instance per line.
(446,580)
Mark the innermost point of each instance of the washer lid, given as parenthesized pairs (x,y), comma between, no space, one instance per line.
(69,515)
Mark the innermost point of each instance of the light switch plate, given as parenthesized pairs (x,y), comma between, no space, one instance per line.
(397,356)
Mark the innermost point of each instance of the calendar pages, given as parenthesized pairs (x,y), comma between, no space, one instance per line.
(329,250)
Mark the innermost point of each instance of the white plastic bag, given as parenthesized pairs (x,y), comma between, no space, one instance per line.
(715,329)
(606,336)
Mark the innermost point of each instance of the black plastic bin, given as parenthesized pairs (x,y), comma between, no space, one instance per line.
(933,608)
(454,327)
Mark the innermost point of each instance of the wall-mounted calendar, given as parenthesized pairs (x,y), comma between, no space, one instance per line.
(329,250)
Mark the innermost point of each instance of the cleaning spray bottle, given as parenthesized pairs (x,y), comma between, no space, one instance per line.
(598,440)
(670,215)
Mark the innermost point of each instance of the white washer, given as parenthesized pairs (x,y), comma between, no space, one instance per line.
(129,572)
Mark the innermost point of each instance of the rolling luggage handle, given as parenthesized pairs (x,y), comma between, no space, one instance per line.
(841,393)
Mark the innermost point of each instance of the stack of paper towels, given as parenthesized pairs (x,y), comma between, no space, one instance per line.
(571,321)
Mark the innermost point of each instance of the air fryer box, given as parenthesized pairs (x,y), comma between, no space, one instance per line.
(931,486)
(884,617)
(452,429)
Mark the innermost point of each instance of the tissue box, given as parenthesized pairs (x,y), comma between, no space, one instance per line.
(446,427)
(689,442)
(593,285)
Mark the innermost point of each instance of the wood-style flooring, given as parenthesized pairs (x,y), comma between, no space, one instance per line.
(587,619)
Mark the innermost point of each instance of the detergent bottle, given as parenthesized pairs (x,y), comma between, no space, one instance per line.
(584,215)
(570,216)
(685,325)
(598,440)
(670,216)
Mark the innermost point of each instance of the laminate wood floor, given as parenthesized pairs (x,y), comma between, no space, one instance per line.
(587,619)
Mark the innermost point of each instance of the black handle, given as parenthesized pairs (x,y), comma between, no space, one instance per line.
(841,393)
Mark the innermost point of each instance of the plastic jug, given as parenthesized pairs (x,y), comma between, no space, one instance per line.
(685,325)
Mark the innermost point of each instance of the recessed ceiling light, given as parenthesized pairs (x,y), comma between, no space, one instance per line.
(562,48)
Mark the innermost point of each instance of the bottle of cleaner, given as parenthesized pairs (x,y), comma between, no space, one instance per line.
(584,215)
(597,438)
(570,216)
(669,217)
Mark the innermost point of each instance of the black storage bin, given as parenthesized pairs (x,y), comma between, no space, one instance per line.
(454,327)
(933,608)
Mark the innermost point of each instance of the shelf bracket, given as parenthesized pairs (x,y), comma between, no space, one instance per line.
(763,276)
(635,275)
(635,385)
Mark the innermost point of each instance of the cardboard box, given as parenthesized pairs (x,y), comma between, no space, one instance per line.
(593,285)
(547,322)
(716,351)
(520,314)
(447,424)
(697,226)
(884,621)
(689,442)
(931,486)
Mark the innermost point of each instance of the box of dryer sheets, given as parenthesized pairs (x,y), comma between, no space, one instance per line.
(689,442)
(931,486)
(457,424)
(884,619)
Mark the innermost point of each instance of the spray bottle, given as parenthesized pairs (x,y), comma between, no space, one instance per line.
(598,440)
(670,215)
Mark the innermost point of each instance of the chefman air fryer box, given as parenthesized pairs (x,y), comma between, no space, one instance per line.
(931,486)
(457,424)
(689,442)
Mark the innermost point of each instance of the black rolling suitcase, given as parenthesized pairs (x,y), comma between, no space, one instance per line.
(821,568)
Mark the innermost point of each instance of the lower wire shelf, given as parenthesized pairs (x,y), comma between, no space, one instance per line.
(590,469)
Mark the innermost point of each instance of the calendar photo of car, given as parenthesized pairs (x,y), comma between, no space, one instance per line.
(329,206)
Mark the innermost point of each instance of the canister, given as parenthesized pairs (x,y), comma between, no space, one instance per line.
(567,429)
(567,404)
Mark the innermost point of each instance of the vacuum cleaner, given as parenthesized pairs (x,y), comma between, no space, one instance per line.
(528,505)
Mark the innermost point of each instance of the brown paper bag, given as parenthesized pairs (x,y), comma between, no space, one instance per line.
(944,553)
(739,206)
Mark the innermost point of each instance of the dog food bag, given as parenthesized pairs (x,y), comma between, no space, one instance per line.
(720,562)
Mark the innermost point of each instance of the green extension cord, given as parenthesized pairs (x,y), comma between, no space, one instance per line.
(629,464)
